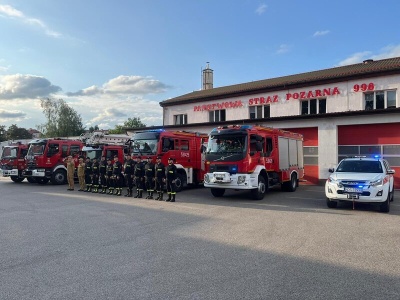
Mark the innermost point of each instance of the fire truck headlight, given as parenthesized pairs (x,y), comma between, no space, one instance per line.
(206,178)
(241,179)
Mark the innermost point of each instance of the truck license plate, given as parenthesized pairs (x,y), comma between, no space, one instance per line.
(352,190)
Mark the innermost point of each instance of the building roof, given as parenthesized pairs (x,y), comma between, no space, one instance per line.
(368,68)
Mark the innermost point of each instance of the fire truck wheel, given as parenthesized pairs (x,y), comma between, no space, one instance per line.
(258,193)
(180,182)
(42,180)
(31,179)
(290,186)
(59,177)
(16,179)
(217,192)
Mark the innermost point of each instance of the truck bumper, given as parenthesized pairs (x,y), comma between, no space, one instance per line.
(231,181)
(7,173)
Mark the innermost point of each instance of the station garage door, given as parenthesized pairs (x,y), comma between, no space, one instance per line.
(372,139)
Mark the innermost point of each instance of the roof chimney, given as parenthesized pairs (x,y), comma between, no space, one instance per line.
(367,61)
(207,78)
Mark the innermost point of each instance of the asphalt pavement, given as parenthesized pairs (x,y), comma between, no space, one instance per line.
(58,244)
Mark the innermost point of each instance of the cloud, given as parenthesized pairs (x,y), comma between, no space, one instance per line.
(385,52)
(283,49)
(9,11)
(20,86)
(125,85)
(11,114)
(321,33)
(261,9)
(108,114)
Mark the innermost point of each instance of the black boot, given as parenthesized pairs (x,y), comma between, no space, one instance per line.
(110,191)
(137,194)
(151,195)
(127,193)
(169,197)
(173,198)
(140,194)
(158,197)
(119,192)
(161,197)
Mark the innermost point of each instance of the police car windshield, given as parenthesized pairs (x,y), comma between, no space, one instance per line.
(9,152)
(36,149)
(360,166)
(148,146)
(225,144)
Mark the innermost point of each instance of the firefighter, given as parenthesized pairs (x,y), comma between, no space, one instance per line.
(109,176)
(95,175)
(70,173)
(149,173)
(81,174)
(128,174)
(171,174)
(117,174)
(159,178)
(88,174)
(139,177)
(103,172)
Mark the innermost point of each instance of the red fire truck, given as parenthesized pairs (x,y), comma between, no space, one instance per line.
(98,144)
(254,158)
(184,147)
(45,159)
(13,162)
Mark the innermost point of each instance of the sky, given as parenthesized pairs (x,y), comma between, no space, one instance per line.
(114,60)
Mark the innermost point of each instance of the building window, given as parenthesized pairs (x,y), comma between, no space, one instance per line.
(259,112)
(313,106)
(380,100)
(217,115)
(310,155)
(180,119)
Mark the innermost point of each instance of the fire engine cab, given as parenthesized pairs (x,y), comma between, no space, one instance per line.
(254,158)
(184,147)
(45,159)
(13,162)
(98,144)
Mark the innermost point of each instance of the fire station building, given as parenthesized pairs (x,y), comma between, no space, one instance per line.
(342,111)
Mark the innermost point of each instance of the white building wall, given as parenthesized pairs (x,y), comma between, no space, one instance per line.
(345,99)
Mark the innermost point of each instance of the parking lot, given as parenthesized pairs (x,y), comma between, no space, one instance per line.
(58,244)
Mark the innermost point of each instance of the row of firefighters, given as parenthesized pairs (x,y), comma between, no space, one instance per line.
(107,177)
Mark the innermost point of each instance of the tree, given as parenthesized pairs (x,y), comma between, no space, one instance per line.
(95,128)
(62,120)
(17,133)
(130,123)
(3,133)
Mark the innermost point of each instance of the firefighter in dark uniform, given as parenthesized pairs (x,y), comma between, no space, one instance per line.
(171,174)
(159,178)
(117,175)
(109,176)
(139,177)
(88,174)
(103,171)
(149,173)
(95,175)
(128,174)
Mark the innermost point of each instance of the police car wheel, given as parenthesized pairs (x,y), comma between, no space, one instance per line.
(331,204)
(385,206)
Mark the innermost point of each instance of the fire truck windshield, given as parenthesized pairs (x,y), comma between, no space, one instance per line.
(10,152)
(144,146)
(94,154)
(36,149)
(228,146)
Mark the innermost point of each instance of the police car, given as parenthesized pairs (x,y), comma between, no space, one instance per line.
(361,179)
